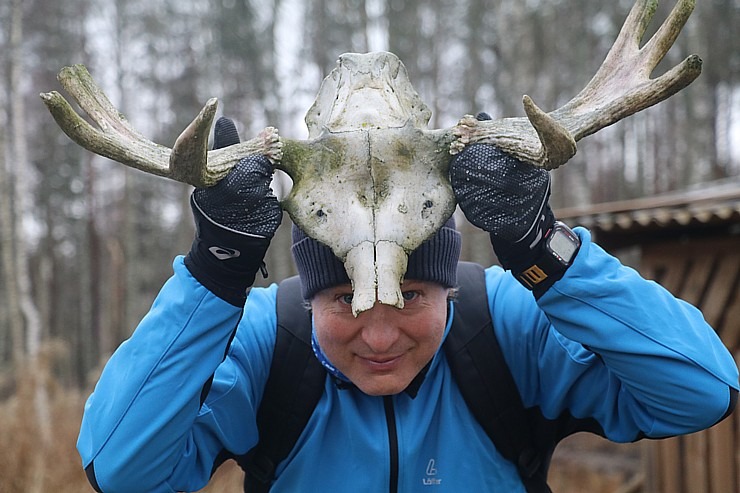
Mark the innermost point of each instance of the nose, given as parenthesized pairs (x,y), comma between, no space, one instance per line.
(380,330)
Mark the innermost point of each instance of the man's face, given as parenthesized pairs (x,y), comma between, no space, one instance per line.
(384,348)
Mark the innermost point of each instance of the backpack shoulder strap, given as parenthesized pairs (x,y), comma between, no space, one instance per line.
(486,383)
(293,388)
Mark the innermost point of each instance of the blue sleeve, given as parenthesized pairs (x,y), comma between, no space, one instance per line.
(605,343)
(144,428)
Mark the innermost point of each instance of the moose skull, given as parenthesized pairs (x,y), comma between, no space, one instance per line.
(374,185)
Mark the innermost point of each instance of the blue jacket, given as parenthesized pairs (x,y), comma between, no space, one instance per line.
(601,343)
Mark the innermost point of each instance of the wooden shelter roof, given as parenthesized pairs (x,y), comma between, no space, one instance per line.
(712,209)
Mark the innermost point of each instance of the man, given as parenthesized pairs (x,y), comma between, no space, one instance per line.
(581,334)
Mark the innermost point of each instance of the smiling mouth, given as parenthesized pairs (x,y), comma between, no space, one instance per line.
(382,363)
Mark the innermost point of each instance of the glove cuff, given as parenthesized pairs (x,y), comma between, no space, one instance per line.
(223,260)
(521,254)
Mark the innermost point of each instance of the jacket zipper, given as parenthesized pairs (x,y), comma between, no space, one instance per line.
(390,418)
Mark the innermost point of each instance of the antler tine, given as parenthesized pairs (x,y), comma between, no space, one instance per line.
(557,144)
(189,157)
(115,139)
(621,87)
(189,162)
(666,35)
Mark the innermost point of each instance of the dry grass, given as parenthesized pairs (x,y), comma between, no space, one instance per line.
(26,466)
(31,462)
(586,463)
(28,463)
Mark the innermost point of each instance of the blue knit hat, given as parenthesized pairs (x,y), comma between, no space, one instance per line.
(434,260)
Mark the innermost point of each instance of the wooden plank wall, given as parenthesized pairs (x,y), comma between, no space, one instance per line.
(705,273)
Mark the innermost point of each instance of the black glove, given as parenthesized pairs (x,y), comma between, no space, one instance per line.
(507,198)
(235,221)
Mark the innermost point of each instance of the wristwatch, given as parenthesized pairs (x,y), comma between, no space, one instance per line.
(559,249)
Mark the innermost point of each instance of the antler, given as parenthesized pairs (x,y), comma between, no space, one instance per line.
(189,161)
(620,88)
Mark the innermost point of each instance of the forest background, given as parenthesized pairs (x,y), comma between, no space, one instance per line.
(86,243)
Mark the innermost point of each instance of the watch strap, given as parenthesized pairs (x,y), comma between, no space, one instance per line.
(548,267)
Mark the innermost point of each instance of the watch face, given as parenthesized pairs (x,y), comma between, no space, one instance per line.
(562,245)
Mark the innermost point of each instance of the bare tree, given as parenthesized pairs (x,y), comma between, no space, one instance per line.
(20,165)
(21,271)
(12,319)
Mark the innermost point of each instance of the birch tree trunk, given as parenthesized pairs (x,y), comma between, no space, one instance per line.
(12,317)
(20,165)
(11,342)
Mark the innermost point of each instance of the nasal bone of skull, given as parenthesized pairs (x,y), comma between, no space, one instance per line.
(390,265)
(360,267)
(376,271)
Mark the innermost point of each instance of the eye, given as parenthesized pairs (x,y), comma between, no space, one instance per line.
(345,299)
(410,295)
